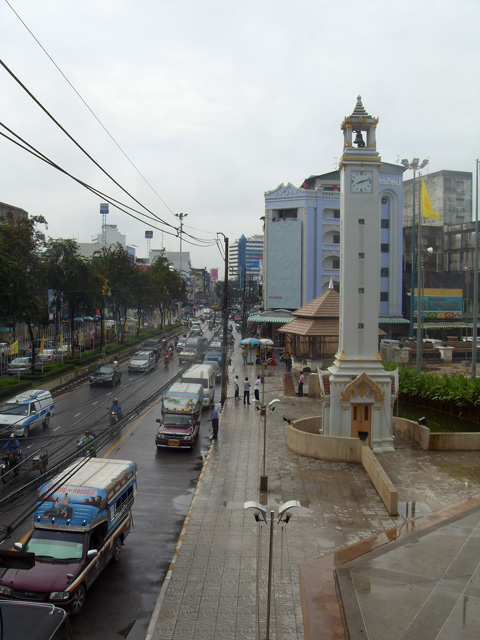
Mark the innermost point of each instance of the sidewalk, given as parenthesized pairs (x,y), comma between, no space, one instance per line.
(211,589)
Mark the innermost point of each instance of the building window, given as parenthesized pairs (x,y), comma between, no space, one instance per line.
(384,200)
(361,256)
(383,296)
(360,325)
(336,213)
(384,247)
(361,221)
(385,224)
(384,272)
(336,263)
(287,214)
(361,290)
(336,238)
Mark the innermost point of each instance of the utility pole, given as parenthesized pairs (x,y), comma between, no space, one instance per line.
(225,307)
(180,216)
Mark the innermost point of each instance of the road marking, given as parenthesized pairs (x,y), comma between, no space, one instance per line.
(57,428)
(94,403)
(77,414)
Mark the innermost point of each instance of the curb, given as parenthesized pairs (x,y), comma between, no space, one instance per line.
(158,604)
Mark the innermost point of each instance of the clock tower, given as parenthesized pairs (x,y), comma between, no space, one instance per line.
(358,394)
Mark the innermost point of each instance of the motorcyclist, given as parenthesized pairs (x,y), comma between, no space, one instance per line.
(87,440)
(166,358)
(116,408)
(12,446)
(115,360)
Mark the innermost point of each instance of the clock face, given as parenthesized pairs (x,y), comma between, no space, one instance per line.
(361,181)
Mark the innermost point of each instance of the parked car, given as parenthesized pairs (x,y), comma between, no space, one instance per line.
(142,362)
(106,374)
(48,356)
(4,349)
(19,365)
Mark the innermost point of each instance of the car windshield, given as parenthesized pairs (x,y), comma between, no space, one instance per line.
(20,361)
(15,409)
(56,545)
(141,356)
(175,420)
(203,382)
(105,368)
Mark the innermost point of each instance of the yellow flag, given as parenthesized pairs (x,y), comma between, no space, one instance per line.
(42,345)
(13,348)
(61,339)
(427,209)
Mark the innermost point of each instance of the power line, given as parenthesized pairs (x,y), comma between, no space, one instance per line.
(77,144)
(88,107)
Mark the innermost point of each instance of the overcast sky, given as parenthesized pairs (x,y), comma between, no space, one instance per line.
(210,103)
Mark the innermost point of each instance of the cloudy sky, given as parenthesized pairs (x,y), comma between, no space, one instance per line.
(200,106)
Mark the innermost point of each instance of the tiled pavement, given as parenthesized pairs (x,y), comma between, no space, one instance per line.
(212,590)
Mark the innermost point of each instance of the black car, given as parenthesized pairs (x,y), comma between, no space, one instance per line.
(152,344)
(108,374)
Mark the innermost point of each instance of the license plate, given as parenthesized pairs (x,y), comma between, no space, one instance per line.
(173,443)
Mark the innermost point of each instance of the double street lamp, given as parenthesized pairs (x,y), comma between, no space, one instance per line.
(414,165)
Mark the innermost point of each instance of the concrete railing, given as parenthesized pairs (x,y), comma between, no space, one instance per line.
(305,439)
(421,436)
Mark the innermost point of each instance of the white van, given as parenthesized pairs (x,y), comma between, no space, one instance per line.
(202,374)
(26,411)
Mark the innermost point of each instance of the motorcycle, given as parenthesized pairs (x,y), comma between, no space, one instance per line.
(115,418)
(166,360)
(10,461)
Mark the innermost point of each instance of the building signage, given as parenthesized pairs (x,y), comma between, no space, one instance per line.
(440,304)
(390,182)
(104,208)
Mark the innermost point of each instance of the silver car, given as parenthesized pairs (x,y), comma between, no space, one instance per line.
(142,362)
(19,365)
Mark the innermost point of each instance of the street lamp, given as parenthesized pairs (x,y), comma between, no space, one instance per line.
(420,288)
(475,280)
(262,407)
(260,515)
(414,165)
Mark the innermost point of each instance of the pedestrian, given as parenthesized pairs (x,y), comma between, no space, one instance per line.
(288,362)
(300,385)
(236,386)
(214,420)
(256,388)
(245,355)
(246,391)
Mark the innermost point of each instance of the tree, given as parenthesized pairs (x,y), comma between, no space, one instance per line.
(23,294)
(69,275)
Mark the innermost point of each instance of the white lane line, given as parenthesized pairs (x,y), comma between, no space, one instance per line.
(57,428)
(77,414)
(94,403)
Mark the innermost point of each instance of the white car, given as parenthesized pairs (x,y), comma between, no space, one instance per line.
(48,356)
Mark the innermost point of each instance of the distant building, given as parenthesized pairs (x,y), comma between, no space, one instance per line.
(245,258)
(179,261)
(112,235)
(9,210)
(302,241)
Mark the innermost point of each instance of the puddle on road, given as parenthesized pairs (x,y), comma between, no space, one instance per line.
(412,509)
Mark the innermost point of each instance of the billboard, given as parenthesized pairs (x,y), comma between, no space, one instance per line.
(440,304)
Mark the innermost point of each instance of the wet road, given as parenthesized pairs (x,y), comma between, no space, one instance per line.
(120,603)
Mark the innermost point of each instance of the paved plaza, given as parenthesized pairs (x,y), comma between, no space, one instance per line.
(396,574)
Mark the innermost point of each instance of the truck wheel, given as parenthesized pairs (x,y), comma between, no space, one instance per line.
(46,422)
(117,550)
(78,601)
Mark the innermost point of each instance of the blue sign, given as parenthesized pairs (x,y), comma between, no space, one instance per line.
(103,208)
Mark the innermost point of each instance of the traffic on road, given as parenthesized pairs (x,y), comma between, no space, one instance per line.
(121,598)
